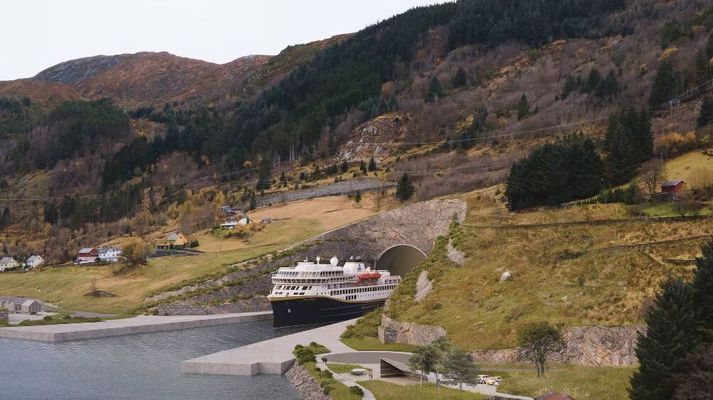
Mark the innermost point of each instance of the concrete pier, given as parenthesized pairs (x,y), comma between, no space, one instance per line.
(127,326)
(272,356)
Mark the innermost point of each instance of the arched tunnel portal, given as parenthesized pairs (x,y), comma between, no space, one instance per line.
(400,259)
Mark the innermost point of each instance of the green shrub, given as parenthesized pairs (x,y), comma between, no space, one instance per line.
(356,390)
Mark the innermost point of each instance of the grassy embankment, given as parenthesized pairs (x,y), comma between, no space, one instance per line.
(579,382)
(344,368)
(581,265)
(389,391)
(67,286)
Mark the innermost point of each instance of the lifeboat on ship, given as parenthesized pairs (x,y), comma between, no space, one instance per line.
(369,275)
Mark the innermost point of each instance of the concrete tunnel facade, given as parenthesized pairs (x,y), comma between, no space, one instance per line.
(400,259)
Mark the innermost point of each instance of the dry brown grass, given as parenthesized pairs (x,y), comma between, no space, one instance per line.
(573,275)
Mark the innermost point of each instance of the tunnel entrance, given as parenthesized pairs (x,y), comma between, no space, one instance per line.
(400,259)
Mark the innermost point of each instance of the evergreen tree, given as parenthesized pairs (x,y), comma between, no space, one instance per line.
(703,291)
(264,175)
(372,165)
(434,90)
(344,167)
(593,81)
(459,79)
(666,84)
(628,143)
(555,173)
(357,196)
(50,213)
(705,116)
(459,367)
(523,107)
(5,218)
(362,166)
(405,188)
(670,337)
(608,87)
(253,202)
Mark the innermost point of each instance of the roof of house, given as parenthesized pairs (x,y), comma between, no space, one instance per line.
(14,300)
(105,250)
(34,257)
(554,396)
(674,182)
(6,260)
(173,236)
(29,301)
(86,250)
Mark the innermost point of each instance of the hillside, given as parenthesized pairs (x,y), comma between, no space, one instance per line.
(423,93)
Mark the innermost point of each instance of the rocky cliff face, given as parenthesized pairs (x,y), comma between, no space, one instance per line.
(305,385)
(587,345)
(392,331)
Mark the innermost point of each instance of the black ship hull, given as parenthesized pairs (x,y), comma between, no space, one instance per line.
(317,310)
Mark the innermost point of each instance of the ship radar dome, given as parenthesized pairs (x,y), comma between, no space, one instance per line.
(334,261)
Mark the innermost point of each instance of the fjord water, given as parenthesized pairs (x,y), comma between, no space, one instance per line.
(137,367)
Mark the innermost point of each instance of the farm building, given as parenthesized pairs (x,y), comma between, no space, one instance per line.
(34,261)
(87,255)
(8,263)
(673,187)
(31,306)
(231,224)
(12,304)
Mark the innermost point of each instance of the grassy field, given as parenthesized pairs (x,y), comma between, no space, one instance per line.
(67,286)
(582,383)
(691,167)
(292,223)
(569,274)
(389,391)
(344,368)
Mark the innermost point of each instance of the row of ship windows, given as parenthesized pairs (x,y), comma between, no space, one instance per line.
(310,273)
(305,280)
(362,289)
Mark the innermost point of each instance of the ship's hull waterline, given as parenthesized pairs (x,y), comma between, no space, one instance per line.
(317,310)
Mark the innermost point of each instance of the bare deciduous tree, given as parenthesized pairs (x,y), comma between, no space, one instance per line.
(652,175)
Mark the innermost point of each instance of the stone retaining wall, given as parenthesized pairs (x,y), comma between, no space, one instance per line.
(334,189)
(305,385)
(586,345)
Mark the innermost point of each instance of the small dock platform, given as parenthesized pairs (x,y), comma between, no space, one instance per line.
(127,326)
(273,356)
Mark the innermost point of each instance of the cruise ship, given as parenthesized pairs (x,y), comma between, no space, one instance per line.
(313,293)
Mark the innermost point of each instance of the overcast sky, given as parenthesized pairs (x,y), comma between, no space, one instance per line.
(36,34)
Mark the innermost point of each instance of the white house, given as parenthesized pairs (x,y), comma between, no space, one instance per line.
(109,254)
(229,224)
(8,263)
(244,221)
(34,261)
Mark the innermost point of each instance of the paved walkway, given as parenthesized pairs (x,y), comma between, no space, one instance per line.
(346,379)
(273,356)
(127,326)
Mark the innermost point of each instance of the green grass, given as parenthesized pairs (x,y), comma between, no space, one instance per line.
(344,368)
(67,286)
(570,275)
(337,391)
(58,320)
(389,391)
(582,383)
(666,209)
(372,343)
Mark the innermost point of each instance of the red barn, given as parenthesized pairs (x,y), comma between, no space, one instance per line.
(675,186)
